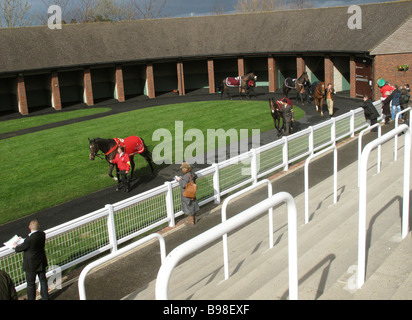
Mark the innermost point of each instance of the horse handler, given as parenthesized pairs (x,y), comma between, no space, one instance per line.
(189,206)
(122,161)
(287,115)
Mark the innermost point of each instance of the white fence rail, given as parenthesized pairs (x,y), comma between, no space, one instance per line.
(362,193)
(114,255)
(198,242)
(104,230)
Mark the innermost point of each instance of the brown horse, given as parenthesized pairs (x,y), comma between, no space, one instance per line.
(319,96)
(276,115)
(239,82)
(296,84)
(134,145)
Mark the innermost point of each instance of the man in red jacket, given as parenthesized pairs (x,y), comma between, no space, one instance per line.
(122,161)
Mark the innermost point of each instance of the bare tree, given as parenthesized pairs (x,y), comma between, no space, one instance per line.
(271,5)
(142,9)
(65,5)
(218,8)
(15,13)
(84,11)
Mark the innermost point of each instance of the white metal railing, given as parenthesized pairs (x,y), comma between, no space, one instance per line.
(105,229)
(198,242)
(362,193)
(395,151)
(91,266)
(335,176)
(378,165)
(224,218)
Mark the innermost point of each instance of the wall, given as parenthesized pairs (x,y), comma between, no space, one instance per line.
(386,68)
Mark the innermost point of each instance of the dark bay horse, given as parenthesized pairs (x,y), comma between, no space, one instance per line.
(276,115)
(296,84)
(319,96)
(239,82)
(134,145)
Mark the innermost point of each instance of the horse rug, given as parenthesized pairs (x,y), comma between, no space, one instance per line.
(233,81)
(133,145)
(290,83)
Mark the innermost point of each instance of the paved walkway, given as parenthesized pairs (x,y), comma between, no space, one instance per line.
(130,273)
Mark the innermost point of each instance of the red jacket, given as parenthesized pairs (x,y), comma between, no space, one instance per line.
(122,162)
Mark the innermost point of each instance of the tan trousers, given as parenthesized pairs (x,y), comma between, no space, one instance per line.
(329,102)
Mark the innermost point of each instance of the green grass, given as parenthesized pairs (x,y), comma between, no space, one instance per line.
(50,167)
(35,121)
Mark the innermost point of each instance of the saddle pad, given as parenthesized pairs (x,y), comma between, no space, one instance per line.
(233,82)
(132,144)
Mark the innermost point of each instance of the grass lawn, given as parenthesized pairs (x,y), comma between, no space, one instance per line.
(30,122)
(49,167)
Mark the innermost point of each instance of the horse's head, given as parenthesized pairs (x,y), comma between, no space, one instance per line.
(274,107)
(94,148)
(304,77)
(322,88)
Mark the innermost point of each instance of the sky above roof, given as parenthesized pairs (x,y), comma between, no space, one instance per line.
(183,8)
(179,8)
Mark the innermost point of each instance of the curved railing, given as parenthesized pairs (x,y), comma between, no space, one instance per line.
(362,192)
(198,242)
(91,266)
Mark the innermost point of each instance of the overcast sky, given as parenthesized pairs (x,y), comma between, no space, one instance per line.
(200,7)
(178,8)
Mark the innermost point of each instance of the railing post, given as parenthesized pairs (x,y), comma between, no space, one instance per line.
(333,131)
(311,140)
(169,204)
(216,183)
(254,165)
(363,192)
(285,154)
(352,123)
(111,227)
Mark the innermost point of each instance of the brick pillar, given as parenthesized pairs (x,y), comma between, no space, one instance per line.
(300,66)
(272,74)
(21,96)
(87,88)
(119,85)
(180,79)
(241,66)
(352,66)
(211,75)
(55,91)
(150,81)
(329,78)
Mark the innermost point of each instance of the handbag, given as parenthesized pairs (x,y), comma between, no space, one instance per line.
(190,189)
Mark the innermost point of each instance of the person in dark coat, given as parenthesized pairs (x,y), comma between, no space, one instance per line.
(404,100)
(7,290)
(189,206)
(287,115)
(371,114)
(34,261)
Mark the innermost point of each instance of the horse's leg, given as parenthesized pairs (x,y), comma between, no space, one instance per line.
(321,106)
(147,155)
(132,166)
(111,167)
(222,91)
(119,181)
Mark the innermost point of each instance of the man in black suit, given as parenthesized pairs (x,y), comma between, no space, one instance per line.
(34,260)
